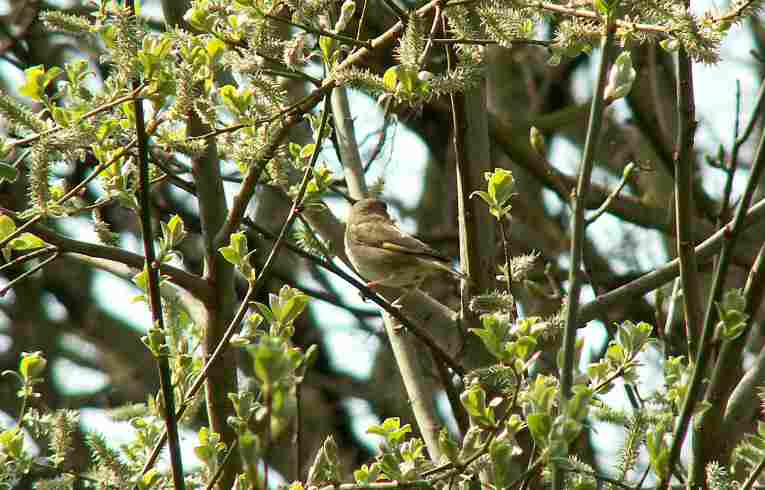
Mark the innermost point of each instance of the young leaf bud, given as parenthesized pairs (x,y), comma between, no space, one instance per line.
(620,78)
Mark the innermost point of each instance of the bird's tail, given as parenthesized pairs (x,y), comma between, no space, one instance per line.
(446,266)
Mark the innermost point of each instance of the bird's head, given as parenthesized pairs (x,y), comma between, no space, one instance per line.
(365,209)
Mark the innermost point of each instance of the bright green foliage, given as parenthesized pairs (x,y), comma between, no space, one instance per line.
(209,449)
(23,242)
(620,78)
(400,458)
(37,82)
(15,458)
(237,253)
(731,310)
(635,439)
(500,189)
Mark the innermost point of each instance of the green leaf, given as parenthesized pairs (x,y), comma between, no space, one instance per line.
(142,279)
(34,86)
(7,226)
(388,425)
(540,425)
(620,78)
(327,45)
(474,401)
(658,453)
(292,308)
(501,184)
(199,18)
(605,7)
(390,78)
(408,79)
(27,241)
(236,251)
(231,255)
(215,48)
(501,452)
(490,340)
(12,443)
(307,151)
(367,474)
(239,242)
(176,230)
(391,430)
(271,360)
(32,365)
(265,312)
(483,195)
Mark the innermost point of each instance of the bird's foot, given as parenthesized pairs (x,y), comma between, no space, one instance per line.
(371,285)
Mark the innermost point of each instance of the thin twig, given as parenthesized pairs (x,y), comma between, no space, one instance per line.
(402,16)
(188,281)
(267,430)
(600,477)
(247,189)
(362,19)
(382,133)
(604,207)
(126,98)
(319,32)
(28,273)
(485,42)
(429,39)
(738,142)
(506,249)
(155,299)
(299,425)
(730,170)
(28,257)
(77,188)
(99,483)
(578,228)
(752,478)
(756,113)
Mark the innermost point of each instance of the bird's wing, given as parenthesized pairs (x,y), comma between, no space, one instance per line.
(389,237)
(385,235)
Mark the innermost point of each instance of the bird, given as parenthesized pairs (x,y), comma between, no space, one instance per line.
(386,256)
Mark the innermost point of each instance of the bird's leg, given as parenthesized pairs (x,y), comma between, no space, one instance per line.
(399,301)
(372,285)
(407,291)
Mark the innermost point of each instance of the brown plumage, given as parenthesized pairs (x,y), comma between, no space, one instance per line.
(383,254)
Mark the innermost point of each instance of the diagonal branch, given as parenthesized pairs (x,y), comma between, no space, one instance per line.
(662,275)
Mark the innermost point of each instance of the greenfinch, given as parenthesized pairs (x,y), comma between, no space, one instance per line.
(386,256)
